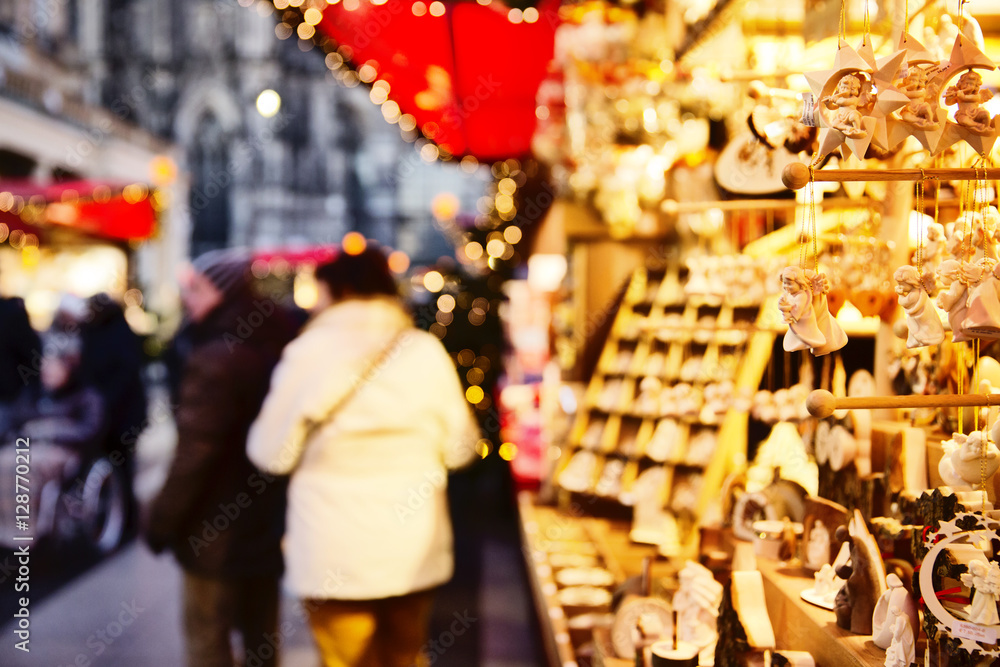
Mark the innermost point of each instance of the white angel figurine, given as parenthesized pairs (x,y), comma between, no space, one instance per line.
(796,306)
(965,461)
(697,605)
(953,297)
(818,546)
(902,651)
(983,578)
(922,319)
(828,325)
(983,317)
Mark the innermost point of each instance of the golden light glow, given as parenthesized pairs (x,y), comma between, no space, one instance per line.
(281,4)
(474,394)
(429,152)
(353,243)
(367,73)
(351,5)
(515,15)
(445,205)
(507,451)
(507,186)
(312,16)
(378,95)
(390,111)
(268,103)
(530,15)
(504,203)
(473,251)
(469,164)
(444,318)
(399,261)
(418,8)
(512,234)
(433,281)
(407,122)
(542,113)
(483,448)
(475,376)
(162,170)
(466,357)
(304,290)
(446,303)
(495,248)
(334,60)
(30,256)
(437,8)
(305,31)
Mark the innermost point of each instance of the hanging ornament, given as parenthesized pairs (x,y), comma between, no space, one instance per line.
(922,116)
(960,84)
(922,320)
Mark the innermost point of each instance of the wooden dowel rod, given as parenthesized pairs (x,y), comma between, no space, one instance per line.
(796,175)
(821,403)
(672,207)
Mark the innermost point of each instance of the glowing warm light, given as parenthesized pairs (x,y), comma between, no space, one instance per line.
(446,303)
(433,281)
(306,31)
(507,451)
(312,16)
(419,8)
(530,15)
(162,170)
(515,15)
(507,186)
(542,113)
(445,205)
(473,251)
(354,243)
(443,318)
(334,60)
(495,248)
(504,203)
(429,152)
(466,357)
(367,73)
(475,376)
(474,394)
(512,234)
(437,8)
(483,448)
(469,164)
(390,111)
(546,271)
(304,290)
(399,261)
(407,123)
(268,103)
(351,5)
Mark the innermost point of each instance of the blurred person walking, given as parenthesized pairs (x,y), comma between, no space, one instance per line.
(219,515)
(367,414)
(112,360)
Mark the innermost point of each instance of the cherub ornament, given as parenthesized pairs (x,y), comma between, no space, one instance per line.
(982,320)
(922,319)
(972,122)
(967,463)
(828,325)
(954,297)
(854,98)
(984,579)
(796,306)
(697,605)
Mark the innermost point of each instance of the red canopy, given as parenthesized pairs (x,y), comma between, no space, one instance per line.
(104,210)
(469,76)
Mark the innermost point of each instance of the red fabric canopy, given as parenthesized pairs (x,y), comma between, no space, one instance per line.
(468,77)
(104,210)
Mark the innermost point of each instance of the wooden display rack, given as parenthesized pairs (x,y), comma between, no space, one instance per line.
(736,347)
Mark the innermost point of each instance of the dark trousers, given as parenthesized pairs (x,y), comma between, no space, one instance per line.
(214,607)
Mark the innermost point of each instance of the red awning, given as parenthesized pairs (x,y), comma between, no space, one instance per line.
(468,77)
(104,210)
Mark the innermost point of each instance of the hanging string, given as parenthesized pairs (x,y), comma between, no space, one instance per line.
(906,20)
(843,22)
(920,229)
(868,25)
(812,220)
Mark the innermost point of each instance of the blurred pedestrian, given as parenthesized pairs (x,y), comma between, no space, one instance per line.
(20,350)
(62,419)
(367,414)
(112,359)
(219,515)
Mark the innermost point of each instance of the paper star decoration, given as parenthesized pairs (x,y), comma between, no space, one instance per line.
(965,57)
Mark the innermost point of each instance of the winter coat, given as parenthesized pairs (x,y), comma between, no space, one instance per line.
(20,350)
(367,506)
(219,514)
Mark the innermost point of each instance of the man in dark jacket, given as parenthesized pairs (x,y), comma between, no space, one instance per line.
(221,517)
(20,350)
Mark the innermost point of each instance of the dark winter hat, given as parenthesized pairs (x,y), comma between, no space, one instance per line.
(227,269)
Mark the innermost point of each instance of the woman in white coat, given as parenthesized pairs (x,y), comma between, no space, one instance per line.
(367,415)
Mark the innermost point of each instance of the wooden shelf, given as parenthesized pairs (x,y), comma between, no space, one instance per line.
(801,626)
